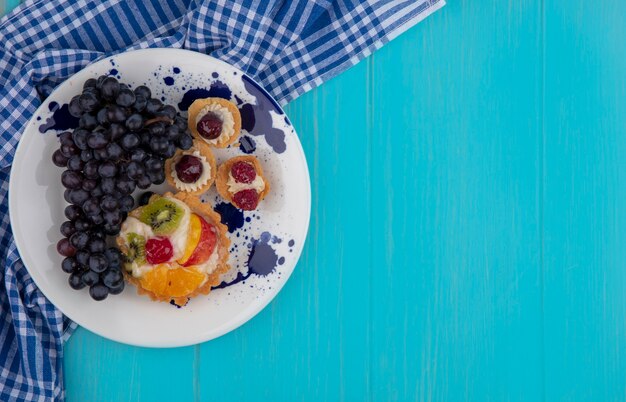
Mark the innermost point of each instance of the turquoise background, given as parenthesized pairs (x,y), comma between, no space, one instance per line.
(467,239)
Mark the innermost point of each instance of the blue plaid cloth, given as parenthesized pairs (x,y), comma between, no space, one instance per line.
(289,47)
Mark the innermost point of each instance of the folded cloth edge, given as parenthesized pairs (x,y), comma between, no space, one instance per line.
(408,24)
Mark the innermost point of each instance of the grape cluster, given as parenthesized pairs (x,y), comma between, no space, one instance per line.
(121,143)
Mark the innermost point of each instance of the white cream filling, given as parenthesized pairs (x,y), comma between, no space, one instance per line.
(204,176)
(134,225)
(179,237)
(211,264)
(258,184)
(178,240)
(140,270)
(228,122)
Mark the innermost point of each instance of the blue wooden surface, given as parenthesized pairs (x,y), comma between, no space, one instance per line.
(467,236)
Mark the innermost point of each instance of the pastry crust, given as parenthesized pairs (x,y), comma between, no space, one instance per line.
(205,151)
(199,104)
(223,246)
(221,180)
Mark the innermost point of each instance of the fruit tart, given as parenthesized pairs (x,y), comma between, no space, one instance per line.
(240,181)
(192,171)
(215,121)
(174,248)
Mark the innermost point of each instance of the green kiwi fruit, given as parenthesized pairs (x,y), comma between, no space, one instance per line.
(163,215)
(136,249)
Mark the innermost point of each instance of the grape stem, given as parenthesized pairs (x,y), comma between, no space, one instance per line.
(157,119)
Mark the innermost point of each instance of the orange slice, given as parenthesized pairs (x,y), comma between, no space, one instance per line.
(195,230)
(183,281)
(155,280)
(177,282)
(205,246)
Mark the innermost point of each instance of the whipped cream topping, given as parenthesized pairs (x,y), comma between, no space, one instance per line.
(258,184)
(134,225)
(178,238)
(228,122)
(209,265)
(202,180)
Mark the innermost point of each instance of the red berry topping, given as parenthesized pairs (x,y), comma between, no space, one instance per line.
(210,126)
(243,172)
(189,169)
(246,199)
(159,250)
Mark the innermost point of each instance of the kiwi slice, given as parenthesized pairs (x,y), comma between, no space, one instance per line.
(136,249)
(163,215)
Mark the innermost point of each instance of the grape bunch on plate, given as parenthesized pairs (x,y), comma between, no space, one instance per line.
(121,143)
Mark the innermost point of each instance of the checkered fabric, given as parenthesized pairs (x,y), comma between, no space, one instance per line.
(289,46)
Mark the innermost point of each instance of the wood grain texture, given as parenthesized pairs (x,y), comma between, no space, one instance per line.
(457,136)
(101,370)
(585,201)
(466,240)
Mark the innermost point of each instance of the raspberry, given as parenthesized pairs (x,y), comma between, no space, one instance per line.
(246,199)
(210,126)
(159,250)
(243,172)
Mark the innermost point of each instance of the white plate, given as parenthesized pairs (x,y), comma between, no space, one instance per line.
(275,232)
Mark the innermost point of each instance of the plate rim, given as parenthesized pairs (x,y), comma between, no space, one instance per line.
(253,309)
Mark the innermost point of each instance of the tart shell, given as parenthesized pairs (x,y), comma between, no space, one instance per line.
(221,181)
(199,104)
(223,246)
(205,151)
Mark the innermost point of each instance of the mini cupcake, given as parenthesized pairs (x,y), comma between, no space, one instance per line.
(192,171)
(174,248)
(215,121)
(240,181)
